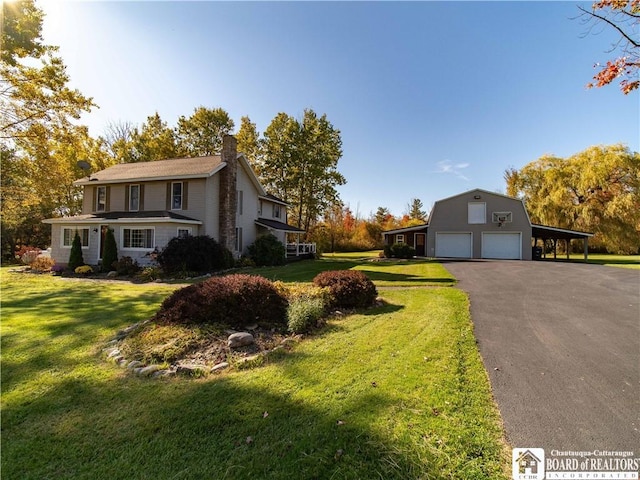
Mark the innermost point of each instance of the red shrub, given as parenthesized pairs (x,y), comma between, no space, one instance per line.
(233,300)
(349,288)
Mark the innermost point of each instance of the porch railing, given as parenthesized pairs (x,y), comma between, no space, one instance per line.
(297,249)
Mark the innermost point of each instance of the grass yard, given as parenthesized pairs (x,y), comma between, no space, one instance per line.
(395,392)
(623,261)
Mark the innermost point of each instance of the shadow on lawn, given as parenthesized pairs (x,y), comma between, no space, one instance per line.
(134,428)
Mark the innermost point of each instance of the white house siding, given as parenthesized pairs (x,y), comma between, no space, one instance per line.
(61,254)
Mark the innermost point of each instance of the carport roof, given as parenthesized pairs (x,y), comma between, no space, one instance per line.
(544,232)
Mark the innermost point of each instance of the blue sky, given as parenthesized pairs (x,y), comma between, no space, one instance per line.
(431,98)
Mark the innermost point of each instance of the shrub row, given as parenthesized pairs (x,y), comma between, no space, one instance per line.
(238,301)
(233,300)
(399,250)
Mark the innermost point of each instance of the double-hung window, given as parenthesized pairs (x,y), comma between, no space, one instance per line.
(69,232)
(134,198)
(138,238)
(176,196)
(101,199)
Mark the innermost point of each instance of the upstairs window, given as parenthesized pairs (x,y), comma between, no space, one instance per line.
(176,196)
(276,211)
(240,202)
(134,198)
(477,213)
(101,199)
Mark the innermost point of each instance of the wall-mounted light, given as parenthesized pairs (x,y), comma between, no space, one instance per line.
(95,230)
(477,197)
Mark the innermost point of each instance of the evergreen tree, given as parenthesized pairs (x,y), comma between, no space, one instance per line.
(110,254)
(75,256)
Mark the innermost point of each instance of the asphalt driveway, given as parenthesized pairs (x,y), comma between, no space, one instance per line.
(561,345)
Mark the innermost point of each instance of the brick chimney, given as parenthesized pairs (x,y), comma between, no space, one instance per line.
(228,192)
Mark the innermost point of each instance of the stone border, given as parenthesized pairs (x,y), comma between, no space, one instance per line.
(113,354)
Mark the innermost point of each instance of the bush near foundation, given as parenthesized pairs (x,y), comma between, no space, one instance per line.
(267,250)
(349,288)
(233,300)
(199,254)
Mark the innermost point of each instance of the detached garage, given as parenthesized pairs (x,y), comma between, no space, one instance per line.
(479,224)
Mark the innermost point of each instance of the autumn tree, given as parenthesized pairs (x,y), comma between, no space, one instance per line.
(39,139)
(201,134)
(155,140)
(623,16)
(34,96)
(299,164)
(597,190)
(248,140)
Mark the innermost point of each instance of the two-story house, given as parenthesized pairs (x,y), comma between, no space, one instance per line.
(480,224)
(147,204)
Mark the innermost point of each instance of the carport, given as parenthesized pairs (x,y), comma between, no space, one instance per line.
(553,234)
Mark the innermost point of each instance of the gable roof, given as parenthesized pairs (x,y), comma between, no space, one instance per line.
(478,191)
(175,168)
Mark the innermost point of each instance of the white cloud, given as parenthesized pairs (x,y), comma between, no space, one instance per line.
(445,166)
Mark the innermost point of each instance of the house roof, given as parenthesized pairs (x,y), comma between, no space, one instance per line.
(275,225)
(273,198)
(158,216)
(414,228)
(175,168)
(544,232)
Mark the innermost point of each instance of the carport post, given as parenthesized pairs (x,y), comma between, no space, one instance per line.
(568,240)
(586,249)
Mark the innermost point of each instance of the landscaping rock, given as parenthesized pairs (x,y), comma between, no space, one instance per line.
(147,371)
(240,339)
(112,274)
(134,364)
(219,367)
(163,373)
(249,359)
(113,353)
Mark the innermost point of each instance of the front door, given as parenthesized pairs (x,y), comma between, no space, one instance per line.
(421,238)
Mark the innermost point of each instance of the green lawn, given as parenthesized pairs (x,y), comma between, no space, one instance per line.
(624,261)
(396,392)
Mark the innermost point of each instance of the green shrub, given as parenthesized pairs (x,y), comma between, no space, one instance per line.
(303,314)
(349,288)
(148,274)
(399,250)
(110,253)
(233,300)
(200,254)
(126,266)
(267,250)
(75,255)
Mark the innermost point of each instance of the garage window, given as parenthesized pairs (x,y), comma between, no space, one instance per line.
(477,213)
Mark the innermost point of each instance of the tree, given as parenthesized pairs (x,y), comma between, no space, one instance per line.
(34,96)
(201,134)
(75,255)
(154,141)
(299,164)
(623,16)
(415,211)
(248,140)
(597,190)
(110,253)
(118,141)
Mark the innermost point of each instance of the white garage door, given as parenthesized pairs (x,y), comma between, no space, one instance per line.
(453,245)
(502,245)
